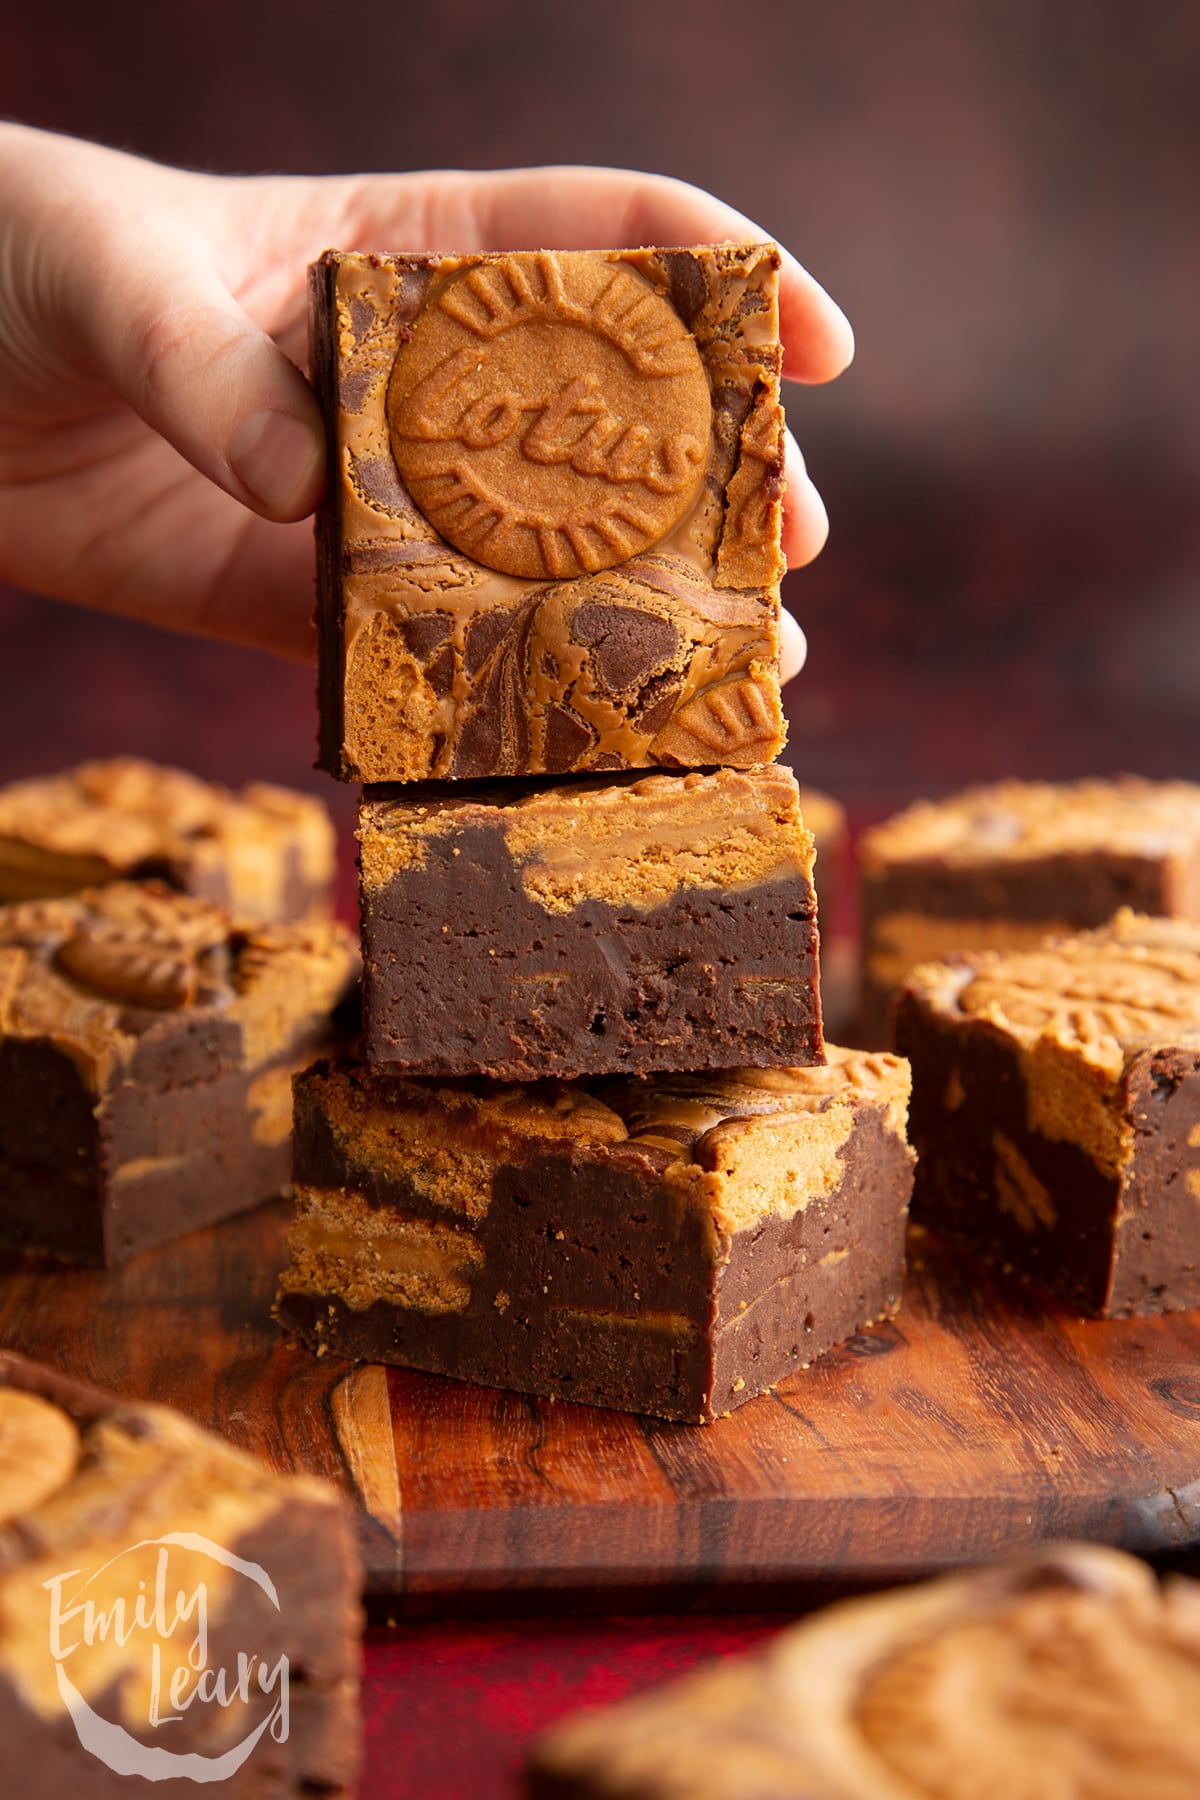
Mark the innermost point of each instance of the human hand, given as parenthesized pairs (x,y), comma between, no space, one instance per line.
(158,443)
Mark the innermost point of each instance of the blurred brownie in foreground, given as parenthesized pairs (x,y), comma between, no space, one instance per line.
(590,927)
(172,1612)
(266,853)
(997,868)
(1056,1110)
(550,540)
(1071,1673)
(672,1246)
(147,1045)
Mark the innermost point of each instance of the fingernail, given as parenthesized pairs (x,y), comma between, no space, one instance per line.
(278,459)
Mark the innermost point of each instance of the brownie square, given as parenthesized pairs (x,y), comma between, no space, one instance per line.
(590,927)
(266,853)
(671,1246)
(187,1556)
(1000,867)
(147,1045)
(1071,1672)
(1056,1111)
(550,540)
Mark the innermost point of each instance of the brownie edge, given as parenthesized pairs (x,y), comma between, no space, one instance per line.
(671,1245)
(589,928)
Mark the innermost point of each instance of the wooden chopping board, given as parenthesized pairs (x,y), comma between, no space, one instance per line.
(980,1422)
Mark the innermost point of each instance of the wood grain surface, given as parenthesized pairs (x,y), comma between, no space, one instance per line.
(981,1421)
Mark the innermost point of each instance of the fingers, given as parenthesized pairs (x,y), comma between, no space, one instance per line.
(127,293)
(583,208)
(203,375)
(793,647)
(805,521)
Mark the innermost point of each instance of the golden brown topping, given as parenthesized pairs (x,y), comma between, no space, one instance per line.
(679,1112)
(144,945)
(1061,1693)
(71,969)
(624,843)
(38,924)
(39,1450)
(737,722)
(550,414)
(1017,819)
(1132,983)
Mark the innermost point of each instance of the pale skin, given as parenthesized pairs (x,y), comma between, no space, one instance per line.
(160,451)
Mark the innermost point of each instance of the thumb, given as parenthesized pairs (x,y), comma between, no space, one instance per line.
(167,335)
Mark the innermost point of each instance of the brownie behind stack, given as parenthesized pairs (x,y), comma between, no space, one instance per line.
(549,565)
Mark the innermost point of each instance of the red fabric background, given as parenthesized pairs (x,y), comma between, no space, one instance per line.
(452,1708)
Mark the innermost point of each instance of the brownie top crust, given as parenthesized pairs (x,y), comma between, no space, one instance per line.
(694,1117)
(1105,996)
(109,818)
(632,842)
(738,1143)
(1072,1672)
(554,512)
(109,974)
(1015,820)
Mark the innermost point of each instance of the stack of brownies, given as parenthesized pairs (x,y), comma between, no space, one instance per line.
(595,1146)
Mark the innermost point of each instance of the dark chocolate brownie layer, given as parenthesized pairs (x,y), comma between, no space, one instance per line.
(146,1049)
(1056,1114)
(672,1246)
(666,923)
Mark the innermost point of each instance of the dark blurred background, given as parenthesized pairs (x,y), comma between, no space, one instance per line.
(1005,196)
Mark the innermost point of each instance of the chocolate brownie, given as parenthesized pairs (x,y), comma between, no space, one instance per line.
(551,534)
(590,927)
(1072,1673)
(671,1246)
(266,853)
(147,1045)
(1056,1110)
(997,868)
(173,1612)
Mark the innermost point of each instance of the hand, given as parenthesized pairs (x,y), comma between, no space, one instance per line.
(157,440)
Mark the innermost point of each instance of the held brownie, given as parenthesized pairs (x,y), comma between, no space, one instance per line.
(1072,1673)
(105,1505)
(1056,1110)
(147,1046)
(671,1246)
(266,853)
(594,927)
(551,534)
(997,868)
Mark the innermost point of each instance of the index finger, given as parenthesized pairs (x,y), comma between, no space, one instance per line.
(574,208)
